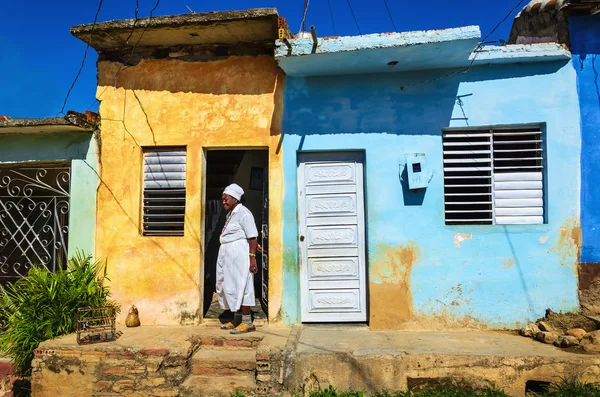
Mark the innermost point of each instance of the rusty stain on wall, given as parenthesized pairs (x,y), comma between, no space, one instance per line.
(460,237)
(543,239)
(228,103)
(568,244)
(390,282)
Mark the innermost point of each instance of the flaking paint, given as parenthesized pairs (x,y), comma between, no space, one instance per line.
(390,282)
(234,103)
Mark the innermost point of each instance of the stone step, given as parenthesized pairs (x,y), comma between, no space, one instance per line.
(217,386)
(208,361)
(223,339)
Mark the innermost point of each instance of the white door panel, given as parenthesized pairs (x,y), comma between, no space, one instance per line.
(332,237)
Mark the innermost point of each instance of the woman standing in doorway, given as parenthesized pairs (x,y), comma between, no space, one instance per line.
(236,263)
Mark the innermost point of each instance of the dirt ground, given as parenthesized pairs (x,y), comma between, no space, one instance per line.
(565,321)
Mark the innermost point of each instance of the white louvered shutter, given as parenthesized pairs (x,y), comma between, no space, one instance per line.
(164,192)
(518,179)
(493,176)
(468,177)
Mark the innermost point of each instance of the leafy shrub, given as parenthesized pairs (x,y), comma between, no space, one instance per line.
(572,388)
(43,305)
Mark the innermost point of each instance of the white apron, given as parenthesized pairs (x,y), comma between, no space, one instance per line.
(235,283)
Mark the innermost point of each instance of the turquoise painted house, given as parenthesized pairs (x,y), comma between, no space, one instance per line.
(430,181)
(48,180)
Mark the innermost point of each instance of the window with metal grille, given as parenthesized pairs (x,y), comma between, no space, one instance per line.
(493,175)
(164,191)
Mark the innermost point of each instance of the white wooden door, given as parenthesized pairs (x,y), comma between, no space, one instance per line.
(332,237)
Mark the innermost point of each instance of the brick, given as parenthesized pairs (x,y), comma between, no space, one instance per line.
(262,356)
(122,355)
(263,366)
(122,384)
(165,393)
(239,343)
(153,382)
(155,352)
(263,378)
(103,385)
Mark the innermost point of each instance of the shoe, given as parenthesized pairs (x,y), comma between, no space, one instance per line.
(228,325)
(243,328)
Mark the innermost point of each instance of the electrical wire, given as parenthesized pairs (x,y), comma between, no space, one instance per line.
(304,11)
(476,52)
(87,47)
(331,15)
(137,8)
(354,16)
(390,14)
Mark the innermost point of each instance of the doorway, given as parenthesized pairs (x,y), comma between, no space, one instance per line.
(247,168)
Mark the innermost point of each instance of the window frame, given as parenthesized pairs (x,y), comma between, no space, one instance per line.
(493,160)
(174,196)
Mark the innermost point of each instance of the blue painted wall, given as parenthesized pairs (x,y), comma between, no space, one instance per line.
(585,46)
(80,149)
(500,276)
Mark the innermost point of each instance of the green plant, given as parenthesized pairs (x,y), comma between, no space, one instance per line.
(572,388)
(332,392)
(43,305)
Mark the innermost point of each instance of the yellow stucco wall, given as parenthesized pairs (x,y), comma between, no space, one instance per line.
(229,103)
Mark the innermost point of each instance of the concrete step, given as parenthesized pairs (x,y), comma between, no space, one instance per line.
(217,386)
(210,361)
(222,339)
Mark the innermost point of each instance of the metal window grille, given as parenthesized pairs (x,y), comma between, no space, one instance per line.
(164,192)
(493,176)
(34,217)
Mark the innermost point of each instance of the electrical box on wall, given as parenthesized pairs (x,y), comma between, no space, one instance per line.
(416,167)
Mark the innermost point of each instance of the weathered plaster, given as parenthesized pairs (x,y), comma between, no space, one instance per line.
(231,103)
(373,53)
(369,112)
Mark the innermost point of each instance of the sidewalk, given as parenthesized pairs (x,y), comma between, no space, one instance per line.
(159,361)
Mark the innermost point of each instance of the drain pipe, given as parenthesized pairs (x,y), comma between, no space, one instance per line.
(313,33)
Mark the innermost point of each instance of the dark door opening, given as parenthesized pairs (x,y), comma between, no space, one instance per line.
(247,168)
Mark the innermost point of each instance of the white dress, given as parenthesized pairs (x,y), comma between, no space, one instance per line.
(235,284)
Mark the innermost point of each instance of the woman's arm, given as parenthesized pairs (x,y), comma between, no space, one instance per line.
(253,244)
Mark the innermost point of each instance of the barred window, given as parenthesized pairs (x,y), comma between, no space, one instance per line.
(493,176)
(164,191)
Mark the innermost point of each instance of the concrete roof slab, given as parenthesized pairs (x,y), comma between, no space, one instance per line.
(376,53)
(226,27)
(521,53)
(39,126)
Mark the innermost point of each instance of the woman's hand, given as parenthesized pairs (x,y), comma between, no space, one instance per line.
(253,265)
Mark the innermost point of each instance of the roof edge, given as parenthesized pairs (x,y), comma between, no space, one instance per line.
(336,44)
(82,31)
(521,53)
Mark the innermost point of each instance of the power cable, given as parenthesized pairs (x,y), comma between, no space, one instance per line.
(476,52)
(87,47)
(331,15)
(304,11)
(354,16)
(390,14)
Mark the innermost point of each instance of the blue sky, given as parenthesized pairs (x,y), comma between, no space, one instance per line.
(39,58)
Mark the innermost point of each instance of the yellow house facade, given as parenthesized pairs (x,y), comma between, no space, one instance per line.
(201,93)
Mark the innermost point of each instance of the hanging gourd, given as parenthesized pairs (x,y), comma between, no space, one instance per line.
(133,318)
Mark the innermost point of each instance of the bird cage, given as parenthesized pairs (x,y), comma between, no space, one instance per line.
(96,324)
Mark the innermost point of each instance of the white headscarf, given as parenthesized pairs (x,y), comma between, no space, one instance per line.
(234,191)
